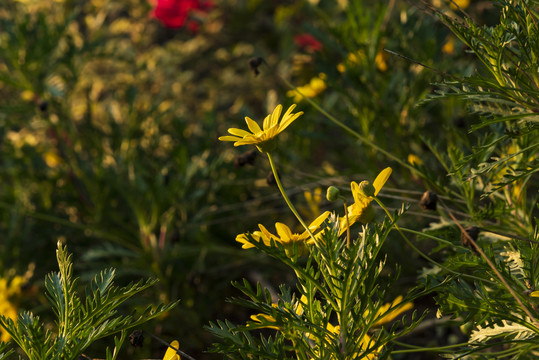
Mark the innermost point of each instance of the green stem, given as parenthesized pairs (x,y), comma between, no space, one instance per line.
(421,253)
(415,348)
(347,225)
(346,127)
(286,199)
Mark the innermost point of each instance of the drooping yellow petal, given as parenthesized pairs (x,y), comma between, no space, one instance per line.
(381,180)
(171,354)
(229,138)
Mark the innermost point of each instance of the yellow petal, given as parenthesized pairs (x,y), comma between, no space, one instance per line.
(244,240)
(289,111)
(381,180)
(171,354)
(318,221)
(274,120)
(354,186)
(534,294)
(265,235)
(253,126)
(286,122)
(284,232)
(238,132)
(229,138)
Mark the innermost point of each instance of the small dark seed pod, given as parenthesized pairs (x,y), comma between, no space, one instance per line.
(472,232)
(247,158)
(429,200)
(43,106)
(270,179)
(136,338)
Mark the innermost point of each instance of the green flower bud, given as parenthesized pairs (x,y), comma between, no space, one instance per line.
(366,189)
(333,193)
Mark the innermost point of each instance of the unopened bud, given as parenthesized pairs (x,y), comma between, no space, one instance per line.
(136,338)
(333,193)
(366,189)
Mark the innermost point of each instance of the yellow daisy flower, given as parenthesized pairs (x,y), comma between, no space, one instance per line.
(263,138)
(363,194)
(284,235)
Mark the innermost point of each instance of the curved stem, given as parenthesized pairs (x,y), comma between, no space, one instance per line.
(344,126)
(421,253)
(286,199)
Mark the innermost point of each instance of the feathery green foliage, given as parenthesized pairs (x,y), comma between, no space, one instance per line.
(80,320)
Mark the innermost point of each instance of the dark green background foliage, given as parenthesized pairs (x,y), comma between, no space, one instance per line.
(109,124)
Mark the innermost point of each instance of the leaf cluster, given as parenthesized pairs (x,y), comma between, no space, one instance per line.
(336,310)
(80,320)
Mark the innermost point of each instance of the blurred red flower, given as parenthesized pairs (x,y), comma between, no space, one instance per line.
(308,43)
(175,13)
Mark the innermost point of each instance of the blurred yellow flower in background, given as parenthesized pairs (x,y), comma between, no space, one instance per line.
(380,61)
(359,59)
(316,86)
(463,4)
(263,138)
(313,199)
(449,46)
(52,159)
(10,289)
(414,159)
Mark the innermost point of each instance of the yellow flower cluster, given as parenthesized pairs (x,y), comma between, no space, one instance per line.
(360,210)
(359,58)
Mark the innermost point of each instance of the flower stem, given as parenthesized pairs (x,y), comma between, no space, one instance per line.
(286,199)
(342,125)
(347,225)
(421,253)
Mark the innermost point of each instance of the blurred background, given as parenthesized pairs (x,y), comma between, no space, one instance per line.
(110,113)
